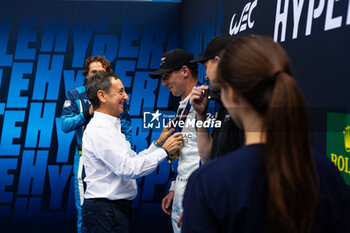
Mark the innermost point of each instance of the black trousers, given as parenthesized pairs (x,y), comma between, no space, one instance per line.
(102,215)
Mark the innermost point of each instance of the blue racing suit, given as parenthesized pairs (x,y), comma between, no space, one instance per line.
(75,116)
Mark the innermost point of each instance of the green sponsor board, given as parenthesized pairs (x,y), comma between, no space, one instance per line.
(338,142)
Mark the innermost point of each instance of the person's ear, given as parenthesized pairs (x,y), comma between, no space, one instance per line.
(217,58)
(186,71)
(102,96)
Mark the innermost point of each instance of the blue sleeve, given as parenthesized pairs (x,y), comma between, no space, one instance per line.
(71,117)
(212,112)
(126,127)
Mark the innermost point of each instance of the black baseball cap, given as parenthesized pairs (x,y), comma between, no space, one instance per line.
(172,60)
(213,48)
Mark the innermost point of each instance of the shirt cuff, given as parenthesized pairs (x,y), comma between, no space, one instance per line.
(152,147)
(160,152)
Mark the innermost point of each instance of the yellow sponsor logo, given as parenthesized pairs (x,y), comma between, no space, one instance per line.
(341,162)
(338,143)
(346,133)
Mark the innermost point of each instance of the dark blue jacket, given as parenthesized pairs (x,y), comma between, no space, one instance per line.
(229,194)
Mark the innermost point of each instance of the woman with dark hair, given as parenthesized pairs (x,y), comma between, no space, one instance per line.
(275,183)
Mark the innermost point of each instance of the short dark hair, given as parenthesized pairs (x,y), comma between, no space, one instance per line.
(105,64)
(99,81)
(193,69)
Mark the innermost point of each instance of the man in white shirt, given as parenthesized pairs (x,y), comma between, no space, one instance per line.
(111,166)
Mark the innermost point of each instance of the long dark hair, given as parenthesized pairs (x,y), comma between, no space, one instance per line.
(259,70)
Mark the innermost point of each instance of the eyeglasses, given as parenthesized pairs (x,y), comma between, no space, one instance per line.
(120,91)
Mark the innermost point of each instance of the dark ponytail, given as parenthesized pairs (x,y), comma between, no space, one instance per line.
(289,163)
(259,69)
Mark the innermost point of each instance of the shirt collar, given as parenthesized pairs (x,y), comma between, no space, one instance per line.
(184,101)
(108,118)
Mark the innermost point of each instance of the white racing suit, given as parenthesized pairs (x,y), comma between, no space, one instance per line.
(189,157)
(188,163)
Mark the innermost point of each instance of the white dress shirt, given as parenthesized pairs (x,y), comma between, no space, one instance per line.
(111,166)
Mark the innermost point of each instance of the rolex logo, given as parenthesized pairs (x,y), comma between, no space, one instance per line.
(346,133)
